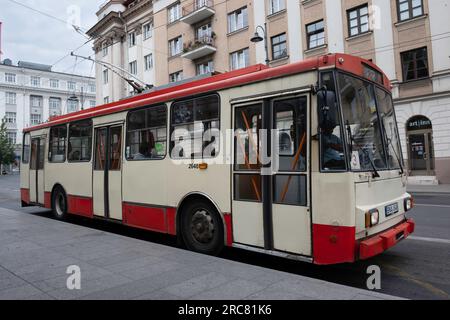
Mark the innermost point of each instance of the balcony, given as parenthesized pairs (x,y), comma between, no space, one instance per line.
(198,11)
(199,48)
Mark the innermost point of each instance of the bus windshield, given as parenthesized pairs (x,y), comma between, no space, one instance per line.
(370,125)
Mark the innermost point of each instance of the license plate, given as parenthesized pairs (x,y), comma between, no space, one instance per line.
(391,209)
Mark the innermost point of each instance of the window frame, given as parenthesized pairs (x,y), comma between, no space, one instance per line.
(27,161)
(176,73)
(410,10)
(177,16)
(166,109)
(133,67)
(358,20)
(92,141)
(404,74)
(11,98)
(147,30)
(280,43)
(148,61)
(247,58)
(178,39)
(235,16)
(131,39)
(171,126)
(50,143)
(309,34)
(10,76)
(281,6)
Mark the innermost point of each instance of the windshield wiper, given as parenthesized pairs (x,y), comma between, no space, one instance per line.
(375,173)
(389,143)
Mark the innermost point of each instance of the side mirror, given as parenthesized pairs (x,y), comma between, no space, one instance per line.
(327,108)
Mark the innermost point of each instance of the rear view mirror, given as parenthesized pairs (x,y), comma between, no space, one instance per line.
(327,109)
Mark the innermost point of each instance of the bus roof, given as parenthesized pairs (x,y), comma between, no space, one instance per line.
(252,74)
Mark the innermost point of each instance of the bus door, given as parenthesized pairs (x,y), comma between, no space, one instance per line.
(271,207)
(107,173)
(37,170)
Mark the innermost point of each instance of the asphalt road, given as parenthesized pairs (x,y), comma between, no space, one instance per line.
(417,268)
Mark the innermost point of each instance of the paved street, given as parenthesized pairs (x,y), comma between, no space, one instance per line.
(119,262)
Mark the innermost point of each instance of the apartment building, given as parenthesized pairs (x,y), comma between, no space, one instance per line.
(30,93)
(164,41)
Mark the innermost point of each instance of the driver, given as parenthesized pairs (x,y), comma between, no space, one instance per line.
(333,149)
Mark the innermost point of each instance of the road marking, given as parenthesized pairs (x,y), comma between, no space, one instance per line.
(432,205)
(436,240)
(427,286)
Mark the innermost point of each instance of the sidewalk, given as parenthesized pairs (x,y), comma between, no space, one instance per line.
(442,188)
(35,253)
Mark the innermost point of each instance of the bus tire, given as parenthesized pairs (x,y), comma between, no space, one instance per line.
(202,228)
(59,203)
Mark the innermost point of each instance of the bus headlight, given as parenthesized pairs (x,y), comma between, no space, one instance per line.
(408,204)
(372,218)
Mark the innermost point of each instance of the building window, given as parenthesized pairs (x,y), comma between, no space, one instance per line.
(36,101)
(35,81)
(415,64)
(91,87)
(35,119)
(176,76)
(54,83)
(276,6)
(105,49)
(10,98)
(148,30)
(204,68)
(148,59)
(80,141)
(315,34)
(57,144)
(239,59)
(54,106)
(237,20)
(10,117)
(10,78)
(174,12)
(131,39)
(105,77)
(358,20)
(11,136)
(71,85)
(133,67)
(175,46)
(72,105)
(106,100)
(147,134)
(279,48)
(409,9)
(195,125)
(92,103)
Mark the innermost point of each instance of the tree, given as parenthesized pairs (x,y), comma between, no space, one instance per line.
(7,155)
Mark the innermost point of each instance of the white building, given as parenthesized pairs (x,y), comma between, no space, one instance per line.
(30,93)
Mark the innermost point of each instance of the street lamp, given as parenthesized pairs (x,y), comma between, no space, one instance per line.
(257,38)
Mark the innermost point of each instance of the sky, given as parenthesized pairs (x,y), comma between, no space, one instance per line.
(47,36)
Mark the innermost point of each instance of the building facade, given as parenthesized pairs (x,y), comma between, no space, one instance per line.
(163,41)
(30,93)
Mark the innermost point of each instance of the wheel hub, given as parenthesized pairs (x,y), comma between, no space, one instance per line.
(202,226)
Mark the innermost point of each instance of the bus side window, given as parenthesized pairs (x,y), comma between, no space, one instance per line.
(147,134)
(332,145)
(57,144)
(26,148)
(80,141)
(195,125)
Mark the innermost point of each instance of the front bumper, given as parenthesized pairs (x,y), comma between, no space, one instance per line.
(387,239)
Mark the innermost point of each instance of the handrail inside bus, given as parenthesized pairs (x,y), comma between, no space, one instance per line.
(294,164)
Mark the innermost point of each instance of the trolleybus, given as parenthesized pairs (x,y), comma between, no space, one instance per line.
(301,161)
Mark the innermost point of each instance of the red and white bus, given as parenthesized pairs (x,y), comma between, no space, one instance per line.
(337,194)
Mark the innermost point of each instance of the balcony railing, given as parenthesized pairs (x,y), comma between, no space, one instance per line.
(198,11)
(200,47)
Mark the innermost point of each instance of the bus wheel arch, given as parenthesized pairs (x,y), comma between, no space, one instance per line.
(59,202)
(211,211)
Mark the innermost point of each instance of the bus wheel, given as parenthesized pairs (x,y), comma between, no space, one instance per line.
(59,203)
(202,228)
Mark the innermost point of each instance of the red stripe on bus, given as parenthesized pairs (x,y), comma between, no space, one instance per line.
(25,195)
(80,206)
(333,244)
(171,214)
(229,228)
(143,217)
(48,200)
